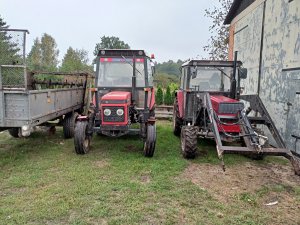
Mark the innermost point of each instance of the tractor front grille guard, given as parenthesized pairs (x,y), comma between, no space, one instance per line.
(254,142)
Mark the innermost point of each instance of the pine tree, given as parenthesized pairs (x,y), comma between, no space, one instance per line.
(49,52)
(159,97)
(34,58)
(43,54)
(168,97)
(9,51)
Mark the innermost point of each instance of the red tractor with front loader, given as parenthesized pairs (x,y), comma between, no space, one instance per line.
(123,95)
(209,104)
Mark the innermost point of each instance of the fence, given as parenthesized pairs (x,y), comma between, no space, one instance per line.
(13,58)
(164,112)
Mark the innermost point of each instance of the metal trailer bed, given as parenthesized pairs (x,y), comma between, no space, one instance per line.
(24,103)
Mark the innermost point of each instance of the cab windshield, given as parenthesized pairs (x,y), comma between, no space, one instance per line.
(211,78)
(118,72)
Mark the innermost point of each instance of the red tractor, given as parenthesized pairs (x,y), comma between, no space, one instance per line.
(209,105)
(123,95)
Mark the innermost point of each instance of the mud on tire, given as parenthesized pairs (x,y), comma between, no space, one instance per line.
(81,139)
(189,141)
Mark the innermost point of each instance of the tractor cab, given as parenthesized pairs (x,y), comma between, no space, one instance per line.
(123,95)
(126,71)
(216,78)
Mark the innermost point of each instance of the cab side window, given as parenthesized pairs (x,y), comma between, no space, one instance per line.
(150,72)
(182,79)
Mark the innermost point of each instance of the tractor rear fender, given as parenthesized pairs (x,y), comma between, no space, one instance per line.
(180,101)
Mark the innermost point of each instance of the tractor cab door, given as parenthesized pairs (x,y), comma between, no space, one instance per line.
(181,93)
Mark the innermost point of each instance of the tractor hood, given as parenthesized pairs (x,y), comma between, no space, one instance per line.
(116,97)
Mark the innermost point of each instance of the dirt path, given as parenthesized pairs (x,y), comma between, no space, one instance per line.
(267,183)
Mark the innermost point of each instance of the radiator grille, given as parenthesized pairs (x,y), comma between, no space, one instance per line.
(113,117)
(230,108)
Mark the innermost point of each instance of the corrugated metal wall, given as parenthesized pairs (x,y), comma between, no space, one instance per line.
(280,61)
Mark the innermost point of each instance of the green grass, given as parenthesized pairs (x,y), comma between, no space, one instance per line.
(44,182)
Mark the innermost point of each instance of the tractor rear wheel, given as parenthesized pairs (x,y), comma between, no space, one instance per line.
(81,138)
(15,132)
(189,141)
(150,141)
(176,120)
(69,124)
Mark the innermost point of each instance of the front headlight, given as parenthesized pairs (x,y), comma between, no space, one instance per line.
(107,112)
(120,112)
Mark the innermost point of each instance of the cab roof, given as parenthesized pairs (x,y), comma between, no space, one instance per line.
(211,63)
(121,52)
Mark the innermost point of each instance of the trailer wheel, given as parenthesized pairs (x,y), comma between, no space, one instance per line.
(69,124)
(176,120)
(150,141)
(189,141)
(81,139)
(15,132)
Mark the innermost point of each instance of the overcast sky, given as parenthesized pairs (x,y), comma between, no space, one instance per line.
(171,29)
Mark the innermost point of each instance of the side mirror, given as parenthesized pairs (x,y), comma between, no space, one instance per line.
(243,73)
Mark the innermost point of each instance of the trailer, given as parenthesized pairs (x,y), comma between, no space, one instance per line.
(33,98)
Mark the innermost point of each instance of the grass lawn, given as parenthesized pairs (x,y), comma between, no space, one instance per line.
(43,181)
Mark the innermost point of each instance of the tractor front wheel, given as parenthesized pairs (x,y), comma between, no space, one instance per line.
(69,124)
(189,141)
(150,141)
(81,138)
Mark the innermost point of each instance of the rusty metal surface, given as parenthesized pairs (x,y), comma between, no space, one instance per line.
(277,38)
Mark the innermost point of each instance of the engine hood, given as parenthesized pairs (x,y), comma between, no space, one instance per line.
(116,97)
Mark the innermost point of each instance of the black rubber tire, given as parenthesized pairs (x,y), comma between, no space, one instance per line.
(176,120)
(69,125)
(15,132)
(150,141)
(189,141)
(81,139)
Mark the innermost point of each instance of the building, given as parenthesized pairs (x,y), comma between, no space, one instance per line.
(266,34)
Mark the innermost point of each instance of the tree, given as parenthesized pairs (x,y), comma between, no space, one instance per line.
(112,42)
(43,54)
(49,52)
(34,58)
(9,49)
(170,67)
(218,42)
(159,97)
(75,61)
(168,97)
(163,79)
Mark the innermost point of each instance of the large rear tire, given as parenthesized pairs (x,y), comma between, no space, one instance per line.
(189,141)
(150,141)
(81,139)
(69,124)
(15,132)
(176,120)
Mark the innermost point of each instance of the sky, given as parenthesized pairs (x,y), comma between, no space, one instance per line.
(170,29)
